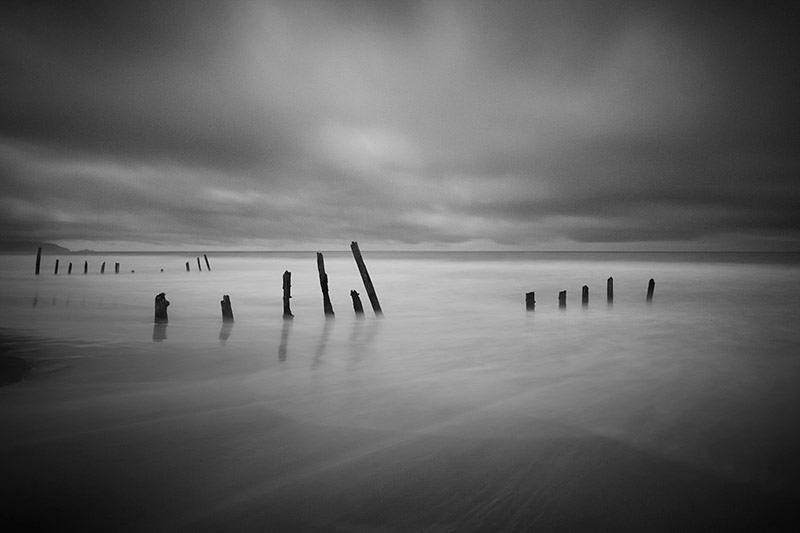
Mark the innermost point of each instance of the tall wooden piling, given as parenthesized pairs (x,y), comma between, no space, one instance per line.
(227,311)
(199,268)
(85,267)
(362,268)
(69,268)
(38,260)
(562,300)
(610,291)
(208,267)
(161,305)
(56,269)
(323,283)
(103,268)
(116,268)
(585,296)
(357,307)
(530,301)
(287,294)
(187,266)
(651,286)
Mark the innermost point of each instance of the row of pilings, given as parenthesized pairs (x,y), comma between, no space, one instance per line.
(103,265)
(530,297)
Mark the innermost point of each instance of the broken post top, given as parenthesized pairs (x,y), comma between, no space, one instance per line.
(161,305)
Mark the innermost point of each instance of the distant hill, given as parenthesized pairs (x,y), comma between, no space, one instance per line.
(31,246)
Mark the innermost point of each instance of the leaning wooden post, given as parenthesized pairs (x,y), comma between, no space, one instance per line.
(103,268)
(161,304)
(187,266)
(323,283)
(287,294)
(207,265)
(116,268)
(69,268)
(562,300)
(85,267)
(610,291)
(199,268)
(227,311)
(56,270)
(357,307)
(651,286)
(38,260)
(585,296)
(530,301)
(362,268)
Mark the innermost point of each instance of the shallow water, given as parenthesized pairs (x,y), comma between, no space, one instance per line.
(457,409)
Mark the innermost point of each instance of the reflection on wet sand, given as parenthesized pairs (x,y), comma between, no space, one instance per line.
(361,338)
(323,342)
(225,332)
(35,298)
(282,349)
(159,332)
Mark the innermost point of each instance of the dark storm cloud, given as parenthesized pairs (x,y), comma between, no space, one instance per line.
(530,124)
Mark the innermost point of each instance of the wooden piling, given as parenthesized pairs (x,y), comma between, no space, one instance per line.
(287,294)
(161,305)
(362,268)
(585,296)
(651,286)
(323,283)
(199,268)
(38,260)
(85,267)
(357,307)
(69,268)
(208,267)
(530,301)
(56,269)
(610,291)
(562,300)
(116,268)
(187,266)
(103,268)
(227,311)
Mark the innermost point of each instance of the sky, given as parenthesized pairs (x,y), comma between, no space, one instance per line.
(403,125)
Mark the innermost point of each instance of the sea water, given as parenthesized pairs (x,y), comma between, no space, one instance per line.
(453,394)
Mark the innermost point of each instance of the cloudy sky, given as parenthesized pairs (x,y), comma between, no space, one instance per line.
(420,125)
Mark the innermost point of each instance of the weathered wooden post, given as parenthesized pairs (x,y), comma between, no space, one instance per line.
(161,305)
(187,266)
(38,260)
(56,269)
(530,301)
(116,268)
(103,268)
(651,286)
(199,268)
(357,307)
(562,300)
(585,296)
(362,268)
(323,283)
(610,291)
(85,267)
(287,294)
(227,311)
(207,265)
(69,268)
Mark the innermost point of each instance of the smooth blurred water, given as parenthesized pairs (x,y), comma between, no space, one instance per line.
(705,376)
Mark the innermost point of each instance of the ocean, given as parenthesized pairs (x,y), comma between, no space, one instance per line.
(458,410)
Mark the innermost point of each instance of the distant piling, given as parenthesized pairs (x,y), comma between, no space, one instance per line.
(530,301)
(103,268)
(116,268)
(362,268)
(651,286)
(610,291)
(187,266)
(56,269)
(199,268)
(161,305)
(85,267)
(357,307)
(69,268)
(38,260)
(323,283)
(208,266)
(562,300)
(227,311)
(585,296)
(287,295)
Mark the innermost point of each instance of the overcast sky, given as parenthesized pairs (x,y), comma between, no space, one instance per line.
(304,125)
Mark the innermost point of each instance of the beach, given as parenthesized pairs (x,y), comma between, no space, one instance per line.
(457,411)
